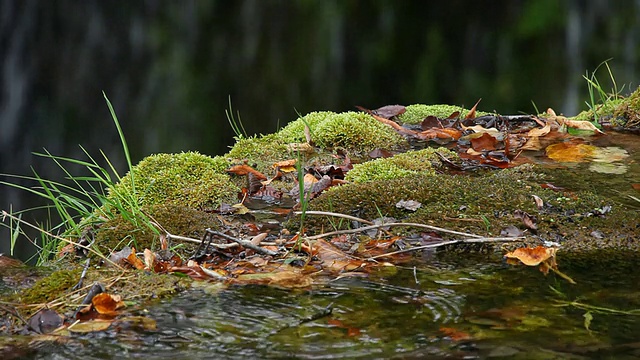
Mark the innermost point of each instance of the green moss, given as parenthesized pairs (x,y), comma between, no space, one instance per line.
(417,112)
(356,132)
(49,288)
(629,110)
(294,131)
(177,220)
(405,164)
(603,111)
(463,203)
(189,179)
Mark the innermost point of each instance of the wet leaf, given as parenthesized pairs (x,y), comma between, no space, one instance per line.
(334,259)
(485,142)
(45,321)
(455,334)
(90,326)
(288,277)
(532,256)
(570,152)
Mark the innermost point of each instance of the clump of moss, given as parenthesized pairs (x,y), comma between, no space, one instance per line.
(49,288)
(417,112)
(189,179)
(294,131)
(629,109)
(410,163)
(603,111)
(178,220)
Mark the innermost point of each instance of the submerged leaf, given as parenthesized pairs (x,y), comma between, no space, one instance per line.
(570,152)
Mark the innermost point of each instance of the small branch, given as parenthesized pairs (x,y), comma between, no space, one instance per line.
(365,228)
(334,215)
(244,243)
(450,242)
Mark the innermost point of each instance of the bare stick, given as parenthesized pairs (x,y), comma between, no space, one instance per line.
(365,228)
(335,215)
(450,242)
(244,243)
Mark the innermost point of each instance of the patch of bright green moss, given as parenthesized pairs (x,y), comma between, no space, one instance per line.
(354,131)
(189,179)
(417,112)
(401,165)
(294,131)
(49,288)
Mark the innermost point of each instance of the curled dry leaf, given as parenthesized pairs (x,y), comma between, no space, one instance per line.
(532,256)
(107,304)
(537,132)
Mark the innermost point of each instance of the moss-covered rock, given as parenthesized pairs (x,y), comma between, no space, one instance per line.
(188,179)
(417,112)
(410,163)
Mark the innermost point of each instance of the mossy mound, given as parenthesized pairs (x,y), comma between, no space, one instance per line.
(188,179)
(629,110)
(417,112)
(177,220)
(48,288)
(405,164)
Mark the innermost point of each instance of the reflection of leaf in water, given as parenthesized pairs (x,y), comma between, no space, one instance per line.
(610,154)
(605,160)
(608,168)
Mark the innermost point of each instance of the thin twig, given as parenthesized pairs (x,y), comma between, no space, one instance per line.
(244,243)
(365,228)
(326,213)
(450,242)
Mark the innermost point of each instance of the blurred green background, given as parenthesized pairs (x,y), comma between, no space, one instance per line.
(169,67)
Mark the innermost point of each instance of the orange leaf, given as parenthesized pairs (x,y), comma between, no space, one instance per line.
(107,304)
(455,334)
(244,169)
(134,260)
(286,165)
(570,152)
(532,256)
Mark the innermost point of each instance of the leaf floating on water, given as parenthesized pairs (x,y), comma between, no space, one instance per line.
(570,152)
(91,326)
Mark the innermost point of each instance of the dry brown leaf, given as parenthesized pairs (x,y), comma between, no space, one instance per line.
(540,131)
(532,256)
(107,304)
(134,260)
